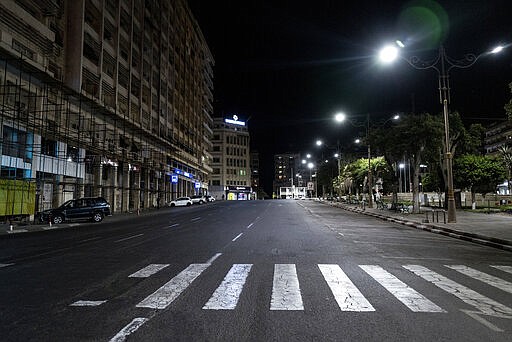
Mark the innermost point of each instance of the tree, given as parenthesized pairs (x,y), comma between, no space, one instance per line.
(478,173)
(416,138)
(506,155)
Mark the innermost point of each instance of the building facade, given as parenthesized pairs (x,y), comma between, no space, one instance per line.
(497,135)
(107,98)
(231,172)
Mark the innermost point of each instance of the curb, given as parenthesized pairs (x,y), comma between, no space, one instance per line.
(471,237)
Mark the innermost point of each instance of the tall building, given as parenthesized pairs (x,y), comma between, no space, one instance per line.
(286,168)
(107,98)
(255,171)
(231,175)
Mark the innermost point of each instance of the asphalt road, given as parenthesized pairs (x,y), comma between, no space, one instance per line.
(252,271)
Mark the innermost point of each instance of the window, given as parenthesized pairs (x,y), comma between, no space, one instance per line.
(72,154)
(15,143)
(48,147)
(216,182)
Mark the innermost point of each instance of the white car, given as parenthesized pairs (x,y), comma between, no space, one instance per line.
(181,202)
(198,199)
(209,198)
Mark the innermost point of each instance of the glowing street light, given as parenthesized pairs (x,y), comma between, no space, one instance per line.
(340,117)
(388,54)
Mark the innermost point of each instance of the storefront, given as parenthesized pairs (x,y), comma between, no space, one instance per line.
(238,193)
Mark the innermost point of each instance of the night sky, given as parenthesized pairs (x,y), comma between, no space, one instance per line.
(287,67)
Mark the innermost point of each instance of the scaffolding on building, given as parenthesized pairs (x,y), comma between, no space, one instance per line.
(59,142)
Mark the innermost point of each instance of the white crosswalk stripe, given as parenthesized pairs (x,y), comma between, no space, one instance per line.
(227,294)
(411,298)
(484,277)
(285,290)
(165,295)
(507,269)
(473,298)
(348,297)
(148,271)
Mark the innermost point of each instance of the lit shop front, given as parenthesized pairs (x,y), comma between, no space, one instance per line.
(238,193)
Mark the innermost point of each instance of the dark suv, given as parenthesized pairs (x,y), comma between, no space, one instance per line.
(92,208)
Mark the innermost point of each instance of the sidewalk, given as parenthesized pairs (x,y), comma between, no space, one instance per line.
(493,230)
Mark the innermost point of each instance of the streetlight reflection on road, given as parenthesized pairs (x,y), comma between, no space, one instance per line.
(442,64)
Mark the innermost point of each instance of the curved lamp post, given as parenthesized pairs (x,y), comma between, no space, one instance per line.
(442,64)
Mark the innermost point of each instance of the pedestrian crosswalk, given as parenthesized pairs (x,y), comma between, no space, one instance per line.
(351,295)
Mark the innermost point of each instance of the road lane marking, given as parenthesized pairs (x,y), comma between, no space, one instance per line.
(408,296)
(173,225)
(285,289)
(165,295)
(484,277)
(5,265)
(91,239)
(485,305)
(135,324)
(195,219)
(148,271)
(507,269)
(128,238)
(88,303)
(227,294)
(212,259)
(236,237)
(347,295)
(249,226)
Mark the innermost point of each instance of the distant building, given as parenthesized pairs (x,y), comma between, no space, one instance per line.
(231,175)
(497,135)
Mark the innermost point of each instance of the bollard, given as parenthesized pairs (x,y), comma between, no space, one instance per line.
(138,211)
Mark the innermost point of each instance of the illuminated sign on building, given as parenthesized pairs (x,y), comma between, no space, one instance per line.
(181,172)
(174,178)
(234,121)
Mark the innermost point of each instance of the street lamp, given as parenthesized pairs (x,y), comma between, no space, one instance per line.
(442,64)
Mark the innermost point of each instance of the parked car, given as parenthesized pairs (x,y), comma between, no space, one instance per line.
(181,202)
(209,198)
(92,208)
(198,199)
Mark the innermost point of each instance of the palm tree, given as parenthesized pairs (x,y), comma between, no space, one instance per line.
(506,154)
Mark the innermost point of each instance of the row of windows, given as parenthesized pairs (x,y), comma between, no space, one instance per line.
(241,140)
(229,182)
(236,162)
(241,183)
(235,151)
